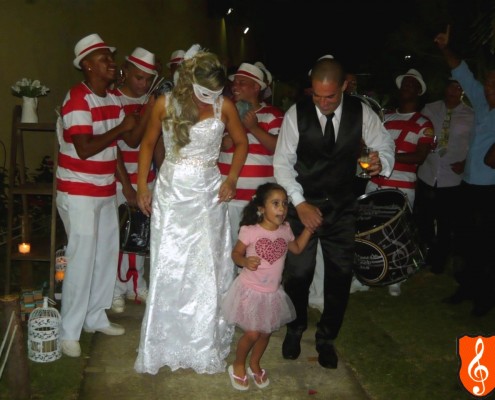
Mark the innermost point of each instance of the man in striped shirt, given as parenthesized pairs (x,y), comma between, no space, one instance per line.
(92,120)
(262,123)
(414,139)
(413,135)
(139,73)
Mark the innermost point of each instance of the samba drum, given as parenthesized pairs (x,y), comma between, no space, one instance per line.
(387,246)
(134,230)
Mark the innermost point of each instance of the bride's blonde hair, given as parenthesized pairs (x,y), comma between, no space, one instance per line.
(203,68)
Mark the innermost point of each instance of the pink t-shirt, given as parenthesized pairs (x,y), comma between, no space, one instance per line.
(271,247)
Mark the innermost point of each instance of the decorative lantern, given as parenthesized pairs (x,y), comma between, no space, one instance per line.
(60,267)
(43,334)
(24,248)
(59,275)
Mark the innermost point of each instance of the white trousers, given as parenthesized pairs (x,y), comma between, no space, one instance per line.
(315,299)
(91,225)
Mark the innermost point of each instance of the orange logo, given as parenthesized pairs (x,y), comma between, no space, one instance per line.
(477,369)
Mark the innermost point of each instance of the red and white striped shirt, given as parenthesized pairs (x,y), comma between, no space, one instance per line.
(407,130)
(130,155)
(85,113)
(258,168)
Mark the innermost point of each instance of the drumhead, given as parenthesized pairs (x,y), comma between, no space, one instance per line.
(371,263)
(134,230)
(124,224)
(378,209)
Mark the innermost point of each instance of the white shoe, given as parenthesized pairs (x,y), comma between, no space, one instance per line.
(111,330)
(394,289)
(357,286)
(71,348)
(118,304)
(142,295)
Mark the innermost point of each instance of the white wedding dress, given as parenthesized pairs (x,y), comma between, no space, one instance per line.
(190,254)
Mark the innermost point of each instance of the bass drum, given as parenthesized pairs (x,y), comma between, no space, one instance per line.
(387,246)
(134,230)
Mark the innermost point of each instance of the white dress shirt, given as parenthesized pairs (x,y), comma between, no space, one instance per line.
(285,157)
(437,167)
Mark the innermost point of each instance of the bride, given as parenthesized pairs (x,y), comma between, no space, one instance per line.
(190,252)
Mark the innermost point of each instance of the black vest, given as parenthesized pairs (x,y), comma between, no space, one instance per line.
(322,172)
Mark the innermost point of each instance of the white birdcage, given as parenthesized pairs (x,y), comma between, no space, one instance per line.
(43,334)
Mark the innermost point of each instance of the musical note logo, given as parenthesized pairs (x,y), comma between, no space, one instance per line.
(478,372)
(477,369)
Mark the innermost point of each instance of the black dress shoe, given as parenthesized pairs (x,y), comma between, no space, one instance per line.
(327,356)
(291,348)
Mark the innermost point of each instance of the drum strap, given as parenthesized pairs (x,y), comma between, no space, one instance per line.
(131,272)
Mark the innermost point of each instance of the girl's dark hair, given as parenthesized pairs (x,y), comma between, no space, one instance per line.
(250,213)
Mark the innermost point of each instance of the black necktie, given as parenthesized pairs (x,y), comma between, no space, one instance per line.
(329,134)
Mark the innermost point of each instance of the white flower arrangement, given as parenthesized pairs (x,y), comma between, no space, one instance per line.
(29,88)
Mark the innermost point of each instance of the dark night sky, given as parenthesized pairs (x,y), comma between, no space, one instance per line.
(295,36)
(290,35)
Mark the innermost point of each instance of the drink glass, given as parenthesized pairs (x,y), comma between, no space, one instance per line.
(364,161)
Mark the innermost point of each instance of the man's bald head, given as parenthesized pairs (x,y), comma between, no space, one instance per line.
(328,70)
(328,84)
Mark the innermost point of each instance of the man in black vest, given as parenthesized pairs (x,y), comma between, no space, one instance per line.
(315,160)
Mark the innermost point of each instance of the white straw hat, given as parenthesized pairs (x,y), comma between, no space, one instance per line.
(250,71)
(176,57)
(87,45)
(413,74)
(268,75)
(143,59)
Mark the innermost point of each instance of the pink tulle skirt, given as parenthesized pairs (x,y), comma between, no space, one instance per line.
(252,310)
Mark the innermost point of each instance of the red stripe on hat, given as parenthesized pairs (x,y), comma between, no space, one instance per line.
(176,60)
(249,75)
(141,62)
(95,46)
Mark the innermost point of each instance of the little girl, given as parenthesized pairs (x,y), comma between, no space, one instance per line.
(256,301)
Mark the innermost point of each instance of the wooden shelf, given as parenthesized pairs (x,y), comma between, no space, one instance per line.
(37,127)
(33,188)
(43,247)
(40,248)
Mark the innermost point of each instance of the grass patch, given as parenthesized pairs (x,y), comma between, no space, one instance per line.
(405,347)
(58,380)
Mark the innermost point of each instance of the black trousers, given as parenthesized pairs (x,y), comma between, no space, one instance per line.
(473,245)
(338,247)
(436,213)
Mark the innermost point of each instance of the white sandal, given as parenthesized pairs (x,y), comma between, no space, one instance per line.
(255,377)
(233,378)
